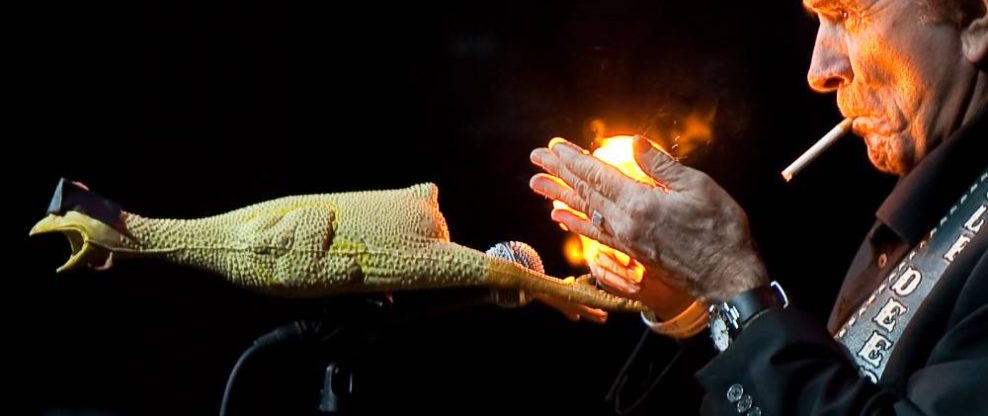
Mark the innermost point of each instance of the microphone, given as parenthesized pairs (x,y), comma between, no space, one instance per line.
(519,253)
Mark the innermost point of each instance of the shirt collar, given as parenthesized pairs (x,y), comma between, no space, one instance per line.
(922,196)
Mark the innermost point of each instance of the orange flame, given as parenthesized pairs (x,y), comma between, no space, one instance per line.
(618,152)
(685,134)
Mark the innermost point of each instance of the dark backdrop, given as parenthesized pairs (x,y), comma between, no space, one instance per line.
(190,110)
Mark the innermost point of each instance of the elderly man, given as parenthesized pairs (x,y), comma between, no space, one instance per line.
(909,331)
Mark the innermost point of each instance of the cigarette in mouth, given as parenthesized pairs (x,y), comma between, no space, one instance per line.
(808,156)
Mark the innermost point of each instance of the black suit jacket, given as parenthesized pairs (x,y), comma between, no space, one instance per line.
(788,362)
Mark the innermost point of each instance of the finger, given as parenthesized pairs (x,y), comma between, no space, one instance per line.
(566,208)
(546,160)
(554,188)
(586,312)
(572,311)
(592,314)
(558,305)
(599,176)
(631,273)
(592,183)
(560,140)
(622,259)
(656,163)
(593,201)
(628,279)
(611,281)
(552,163)
(583,226)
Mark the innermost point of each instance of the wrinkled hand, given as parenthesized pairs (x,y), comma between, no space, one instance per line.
(617,273)
(688,232)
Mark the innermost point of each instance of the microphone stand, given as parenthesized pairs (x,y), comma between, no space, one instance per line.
(338,379)
(345,329)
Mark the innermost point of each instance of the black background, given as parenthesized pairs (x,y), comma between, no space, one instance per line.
(190,110)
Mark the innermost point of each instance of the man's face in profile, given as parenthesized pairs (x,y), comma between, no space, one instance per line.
(897,69)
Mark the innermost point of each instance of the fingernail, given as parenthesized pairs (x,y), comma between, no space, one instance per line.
(556,215)
(557,140)
(535,183)
(538,155)
(564,150)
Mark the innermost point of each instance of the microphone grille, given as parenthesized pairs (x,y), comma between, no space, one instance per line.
(518,252)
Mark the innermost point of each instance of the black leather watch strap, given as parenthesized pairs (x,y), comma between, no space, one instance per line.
(752,302)
(727,319)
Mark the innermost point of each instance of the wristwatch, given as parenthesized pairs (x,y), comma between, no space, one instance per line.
(727,319)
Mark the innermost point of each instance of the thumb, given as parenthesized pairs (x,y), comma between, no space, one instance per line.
(656,163)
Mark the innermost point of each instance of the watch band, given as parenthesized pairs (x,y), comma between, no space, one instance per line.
(750,303)
(728,318)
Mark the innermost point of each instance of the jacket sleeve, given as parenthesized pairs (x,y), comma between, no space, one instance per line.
(786,363)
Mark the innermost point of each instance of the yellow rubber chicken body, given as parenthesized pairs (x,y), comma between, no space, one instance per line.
(308,245)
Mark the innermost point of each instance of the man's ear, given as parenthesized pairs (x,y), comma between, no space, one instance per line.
(974,38)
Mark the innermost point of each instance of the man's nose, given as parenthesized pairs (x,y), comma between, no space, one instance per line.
(830,67)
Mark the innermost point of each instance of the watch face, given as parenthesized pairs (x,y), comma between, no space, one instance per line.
(718,332)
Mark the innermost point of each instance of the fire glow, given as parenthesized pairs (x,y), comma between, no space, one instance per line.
(579,249)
